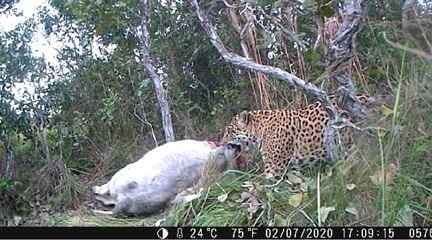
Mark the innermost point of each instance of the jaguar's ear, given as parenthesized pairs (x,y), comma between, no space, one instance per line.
(243,119)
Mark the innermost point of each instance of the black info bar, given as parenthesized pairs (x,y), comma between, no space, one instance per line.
(216,232)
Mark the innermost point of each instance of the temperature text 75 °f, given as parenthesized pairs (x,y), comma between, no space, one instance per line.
(241,233)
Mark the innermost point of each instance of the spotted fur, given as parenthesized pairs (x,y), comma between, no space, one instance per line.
(291,138)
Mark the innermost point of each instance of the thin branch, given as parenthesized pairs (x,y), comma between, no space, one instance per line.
(320,26)
(246,63)
(417,52)
(340,52)
(235,59)
(145,121)
(291,35)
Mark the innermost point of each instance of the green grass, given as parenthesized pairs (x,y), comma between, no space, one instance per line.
(348,193)
(401,152)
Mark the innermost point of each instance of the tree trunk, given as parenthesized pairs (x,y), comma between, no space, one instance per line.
(340,53)
(7,164)
(149,65)
(339,61)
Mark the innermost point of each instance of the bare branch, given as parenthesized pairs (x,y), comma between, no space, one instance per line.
(309,88)
(340,52)
(291,35)
(246,63)
(152,72)
(320,26)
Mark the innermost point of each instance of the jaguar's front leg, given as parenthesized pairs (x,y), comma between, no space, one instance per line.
(269,170)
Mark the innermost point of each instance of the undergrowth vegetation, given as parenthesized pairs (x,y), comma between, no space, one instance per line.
(385,180)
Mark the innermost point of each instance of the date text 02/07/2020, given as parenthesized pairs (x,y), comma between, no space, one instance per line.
(303,232)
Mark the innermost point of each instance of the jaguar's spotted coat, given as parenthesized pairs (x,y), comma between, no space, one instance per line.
(290,137)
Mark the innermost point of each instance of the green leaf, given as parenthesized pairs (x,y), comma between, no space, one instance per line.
(326,11)
(405,216)
(280,220)
(295,200)
(387,111)
(312,55)
(352,209)
(324,212)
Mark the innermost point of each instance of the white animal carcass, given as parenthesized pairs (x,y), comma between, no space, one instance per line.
(147,185)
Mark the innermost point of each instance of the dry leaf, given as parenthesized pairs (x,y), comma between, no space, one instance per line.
(190,198)
(303,187)
(294,179)
(247,184)
(352,209)
(244,196)
(186,196)
(295,200)
(387,111)
(250,202)
(159,222)
(389,172)
(350,186)
(324,212)
(280,220)
(250,186)
(405,217)
(222,197)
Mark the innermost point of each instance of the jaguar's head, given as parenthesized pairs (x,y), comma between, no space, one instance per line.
(239,125)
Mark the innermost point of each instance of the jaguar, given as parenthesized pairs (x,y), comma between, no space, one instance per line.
(290,138)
